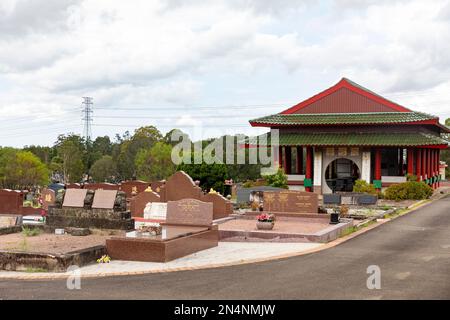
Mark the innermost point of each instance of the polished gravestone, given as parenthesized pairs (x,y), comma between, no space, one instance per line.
(290,201)
(48,197)
(188,229)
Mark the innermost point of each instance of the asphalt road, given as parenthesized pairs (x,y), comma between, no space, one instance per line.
(412,252)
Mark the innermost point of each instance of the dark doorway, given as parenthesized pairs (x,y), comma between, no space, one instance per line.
(341,175)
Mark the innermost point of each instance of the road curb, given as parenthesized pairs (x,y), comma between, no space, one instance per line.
(334,243)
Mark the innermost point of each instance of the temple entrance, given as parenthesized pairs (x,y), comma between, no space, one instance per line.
(341,175)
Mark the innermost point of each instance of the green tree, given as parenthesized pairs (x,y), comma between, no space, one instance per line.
(71,157)
(44,153)
(209,175)
(104,170)
(21,169)
(155,163)
(143,138)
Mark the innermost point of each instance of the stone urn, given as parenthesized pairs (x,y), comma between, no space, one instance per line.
(264,225)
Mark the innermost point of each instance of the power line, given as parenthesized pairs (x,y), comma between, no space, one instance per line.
(87,118)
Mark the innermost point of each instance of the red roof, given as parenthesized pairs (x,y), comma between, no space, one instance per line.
(345,97)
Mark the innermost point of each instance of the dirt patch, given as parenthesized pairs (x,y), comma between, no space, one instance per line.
(49,243)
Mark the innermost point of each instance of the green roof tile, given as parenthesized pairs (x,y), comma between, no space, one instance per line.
(355,139)
(342,118)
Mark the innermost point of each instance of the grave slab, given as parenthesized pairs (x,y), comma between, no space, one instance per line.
(104,199)
(74,198)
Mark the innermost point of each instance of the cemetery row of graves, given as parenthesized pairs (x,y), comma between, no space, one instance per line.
(145,221)
(160,221)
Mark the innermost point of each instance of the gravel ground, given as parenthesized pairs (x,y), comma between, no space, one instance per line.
(49,243)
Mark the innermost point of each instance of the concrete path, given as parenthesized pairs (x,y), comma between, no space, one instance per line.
(227,253)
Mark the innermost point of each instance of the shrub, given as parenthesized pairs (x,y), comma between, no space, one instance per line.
(411,190)
(278,179)
(411,177)
(363,186)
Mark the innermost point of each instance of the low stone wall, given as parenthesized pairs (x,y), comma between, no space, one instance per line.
(8,230)
(23,261)
(89,218)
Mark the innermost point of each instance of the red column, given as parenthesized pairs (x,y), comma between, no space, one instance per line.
(419,164)
(424,164)
(280,155)
(287,159)
(377,175)
(411,161)
(400,162)
(433,167)
(299,160)
(428,164)
(438,164)
(309,160)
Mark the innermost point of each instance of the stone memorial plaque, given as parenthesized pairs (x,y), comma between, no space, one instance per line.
(367,199)
(48,198)
(290,201)
(155,210)
(189,212)
(74,198)
(104,199)
(332,198)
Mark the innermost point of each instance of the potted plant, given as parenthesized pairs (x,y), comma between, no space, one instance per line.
(265,221)
(334,216)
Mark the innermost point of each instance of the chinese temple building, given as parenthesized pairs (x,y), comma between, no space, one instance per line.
(348,132)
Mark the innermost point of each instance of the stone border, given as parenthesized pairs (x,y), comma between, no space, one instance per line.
(330,233)
(11,229)
(332,244)
(19,261)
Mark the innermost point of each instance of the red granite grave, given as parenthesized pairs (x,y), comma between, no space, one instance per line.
(290,201)
(101,186)
(48,197)
(188,229)
(222,207)
(133,187)
(11,201)
(181,186)
(138,203)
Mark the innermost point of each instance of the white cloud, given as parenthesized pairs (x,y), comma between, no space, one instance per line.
(142,53)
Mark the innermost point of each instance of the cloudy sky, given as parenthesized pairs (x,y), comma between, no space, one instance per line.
(212,63)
